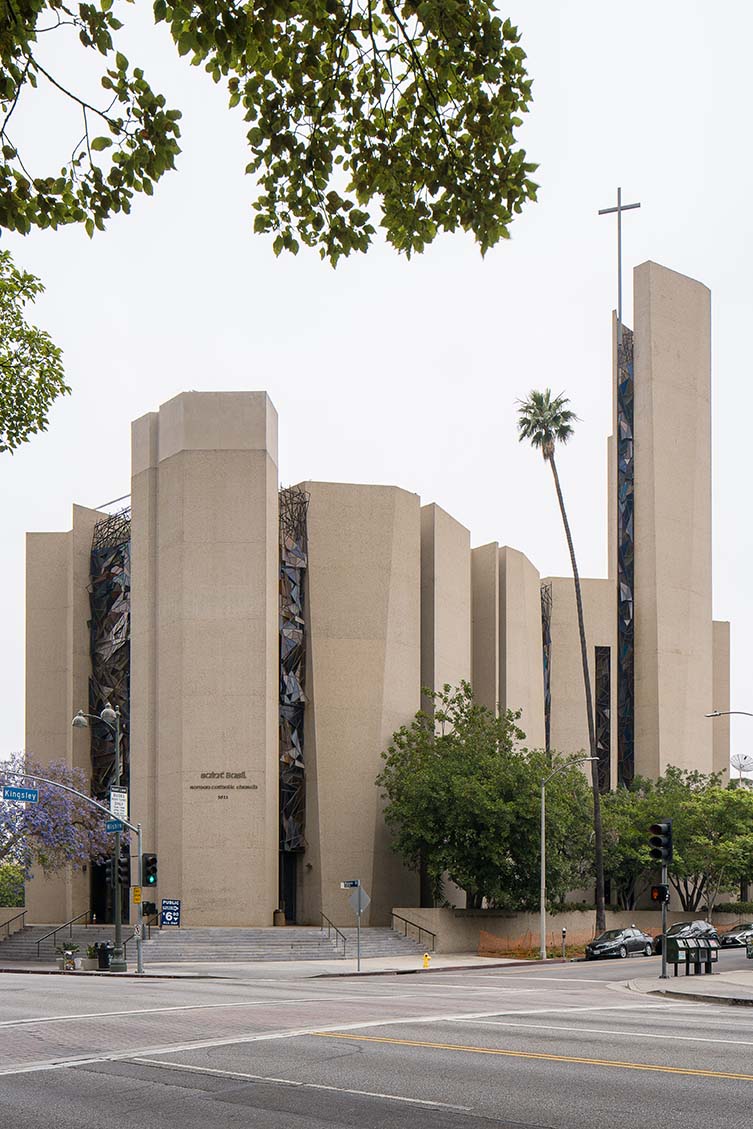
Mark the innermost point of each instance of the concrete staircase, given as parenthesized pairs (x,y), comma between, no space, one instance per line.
(22,946)
(213,944)
(288,943)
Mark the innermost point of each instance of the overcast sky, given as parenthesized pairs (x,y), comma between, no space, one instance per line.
(403,372)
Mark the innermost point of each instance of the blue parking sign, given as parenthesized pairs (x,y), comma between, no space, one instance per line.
(170,911)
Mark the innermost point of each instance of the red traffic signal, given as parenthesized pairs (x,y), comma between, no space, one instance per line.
(660,894)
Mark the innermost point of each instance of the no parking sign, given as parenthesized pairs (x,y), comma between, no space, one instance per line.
(170,911)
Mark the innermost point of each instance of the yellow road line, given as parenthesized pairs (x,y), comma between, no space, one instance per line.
(536,1055)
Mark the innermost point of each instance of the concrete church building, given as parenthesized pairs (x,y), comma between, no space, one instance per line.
(263,644)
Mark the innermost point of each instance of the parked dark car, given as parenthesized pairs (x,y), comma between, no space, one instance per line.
(619,943)
(689,929)
(738,935)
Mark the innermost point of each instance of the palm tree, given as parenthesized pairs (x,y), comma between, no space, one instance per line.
(545,421)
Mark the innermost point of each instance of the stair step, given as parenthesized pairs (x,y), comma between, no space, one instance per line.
(215,943)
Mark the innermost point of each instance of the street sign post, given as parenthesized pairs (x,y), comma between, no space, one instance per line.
(22,795)
(114,825)
(119,802)
(170,911)
(359,901)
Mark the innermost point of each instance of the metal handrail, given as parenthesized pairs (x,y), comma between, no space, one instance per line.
(414,925)
(9,922)
(66,925)
(331,927)
(148,926)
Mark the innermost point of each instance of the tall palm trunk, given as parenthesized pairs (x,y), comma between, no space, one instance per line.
(598,837)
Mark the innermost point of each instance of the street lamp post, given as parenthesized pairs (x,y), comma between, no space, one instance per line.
(111,718)
(727,713)
(542,886)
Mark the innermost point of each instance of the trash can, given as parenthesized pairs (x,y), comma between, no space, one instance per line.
(103,955)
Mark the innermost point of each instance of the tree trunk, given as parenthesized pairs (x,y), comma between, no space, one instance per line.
(601,922)
(426,888)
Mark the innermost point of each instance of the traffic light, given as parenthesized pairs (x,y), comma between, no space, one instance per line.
(660,841)
(148,870)
(660,895)
(124,870)
(107,864)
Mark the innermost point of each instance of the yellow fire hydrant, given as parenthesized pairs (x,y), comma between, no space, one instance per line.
(427,960)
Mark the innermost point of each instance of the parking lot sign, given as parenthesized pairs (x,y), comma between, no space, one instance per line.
(170,911)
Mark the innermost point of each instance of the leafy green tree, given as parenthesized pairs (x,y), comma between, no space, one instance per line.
(712,831)
(11,884)
(627,815)
(400,113)
(545,421)
(31,366)
(463,799)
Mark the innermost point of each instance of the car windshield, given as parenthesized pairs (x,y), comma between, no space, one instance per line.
(678,928)
(610,935)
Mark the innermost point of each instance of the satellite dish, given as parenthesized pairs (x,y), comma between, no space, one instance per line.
(743,762)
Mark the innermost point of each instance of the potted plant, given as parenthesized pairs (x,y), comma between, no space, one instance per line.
(90,962)
(66,958)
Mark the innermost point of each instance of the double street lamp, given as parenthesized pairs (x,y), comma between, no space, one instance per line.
(542,895)
(111,718)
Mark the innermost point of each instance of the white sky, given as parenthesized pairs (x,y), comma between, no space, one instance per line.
(407,372)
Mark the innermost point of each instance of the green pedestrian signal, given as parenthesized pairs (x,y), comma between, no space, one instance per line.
(148,870)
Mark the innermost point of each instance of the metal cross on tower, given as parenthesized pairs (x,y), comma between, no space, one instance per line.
(606,212)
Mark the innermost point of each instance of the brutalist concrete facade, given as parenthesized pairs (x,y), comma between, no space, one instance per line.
(389,597)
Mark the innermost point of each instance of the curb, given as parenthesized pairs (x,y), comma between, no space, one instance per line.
(114,975)
(450,968)
(731,1001)
(319,976)
(694,997)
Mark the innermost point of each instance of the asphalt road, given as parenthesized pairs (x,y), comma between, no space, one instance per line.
(559,1046)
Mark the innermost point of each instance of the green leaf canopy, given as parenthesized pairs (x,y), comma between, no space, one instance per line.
(360,113)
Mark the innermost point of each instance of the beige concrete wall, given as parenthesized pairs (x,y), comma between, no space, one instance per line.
(8,914)
(57,681)
(485,624)
(494,931)
(521,672)
(673,634)
(720,725)
(205,652)
(445,599)
(363,682)
(569,723)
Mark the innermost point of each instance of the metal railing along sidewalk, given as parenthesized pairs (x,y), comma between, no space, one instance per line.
(420,929)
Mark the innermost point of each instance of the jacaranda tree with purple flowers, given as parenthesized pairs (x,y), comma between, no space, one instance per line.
(60,830)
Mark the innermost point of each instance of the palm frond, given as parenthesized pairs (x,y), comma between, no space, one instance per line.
(545,420)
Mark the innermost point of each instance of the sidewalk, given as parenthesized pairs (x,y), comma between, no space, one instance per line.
(734,988)
(285,969)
